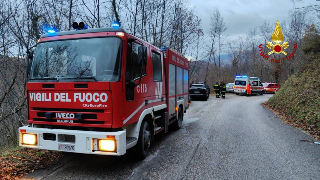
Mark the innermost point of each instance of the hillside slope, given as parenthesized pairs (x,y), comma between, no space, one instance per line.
(299,98)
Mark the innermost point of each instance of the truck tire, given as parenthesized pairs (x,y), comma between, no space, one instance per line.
(144,140)
(178,123)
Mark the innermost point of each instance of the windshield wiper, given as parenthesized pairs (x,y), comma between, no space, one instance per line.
(79,77)
(45,78)
(57,78)
(87,77)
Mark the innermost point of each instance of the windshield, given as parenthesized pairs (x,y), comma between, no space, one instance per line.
(197,86)
(242,83)
(97,59)
(255,83)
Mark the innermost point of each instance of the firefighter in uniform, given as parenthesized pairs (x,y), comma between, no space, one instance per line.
(223,90)
(217,90)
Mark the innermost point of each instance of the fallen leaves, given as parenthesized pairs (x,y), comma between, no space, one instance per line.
(16,163)
(301,124)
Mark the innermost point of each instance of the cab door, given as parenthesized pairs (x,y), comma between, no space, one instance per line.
(136,81)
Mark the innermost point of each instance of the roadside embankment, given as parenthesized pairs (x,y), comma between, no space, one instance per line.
(298,100)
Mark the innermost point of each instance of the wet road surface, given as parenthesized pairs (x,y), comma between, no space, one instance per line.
(232,138)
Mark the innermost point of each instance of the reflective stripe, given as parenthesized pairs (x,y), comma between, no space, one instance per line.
(139,108)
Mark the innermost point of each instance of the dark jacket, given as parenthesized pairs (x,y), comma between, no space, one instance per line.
(216,87)
(223,88)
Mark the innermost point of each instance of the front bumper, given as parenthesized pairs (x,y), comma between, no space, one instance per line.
(230,90)
(83,142)
(240,91)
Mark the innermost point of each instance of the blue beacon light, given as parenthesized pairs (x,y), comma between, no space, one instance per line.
(115,25)
(51,31)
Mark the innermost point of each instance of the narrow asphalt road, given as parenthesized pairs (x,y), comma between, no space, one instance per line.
(232,138)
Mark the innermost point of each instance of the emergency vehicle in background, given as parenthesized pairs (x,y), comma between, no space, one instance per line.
(240,85)
(102,91)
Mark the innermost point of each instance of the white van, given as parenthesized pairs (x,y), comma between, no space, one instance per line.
(256,85)
(240,85)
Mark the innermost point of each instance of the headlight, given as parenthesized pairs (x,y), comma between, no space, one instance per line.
(30,139)
(107,145)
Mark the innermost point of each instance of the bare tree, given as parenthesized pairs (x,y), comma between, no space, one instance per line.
(217,29)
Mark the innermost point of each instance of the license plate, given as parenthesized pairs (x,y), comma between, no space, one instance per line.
(196,92)
(66,147)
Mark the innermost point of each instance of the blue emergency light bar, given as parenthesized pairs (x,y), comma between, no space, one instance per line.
(241,76)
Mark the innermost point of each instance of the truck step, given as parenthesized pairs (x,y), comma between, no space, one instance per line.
(130,140)
(157,129)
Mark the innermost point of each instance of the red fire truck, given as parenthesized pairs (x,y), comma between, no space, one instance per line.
(102,91)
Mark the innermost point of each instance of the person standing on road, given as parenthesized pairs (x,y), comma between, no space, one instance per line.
(248,88)
(223,90)
(216,88)
(220,87)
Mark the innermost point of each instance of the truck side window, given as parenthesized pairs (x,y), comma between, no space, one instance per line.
(137,66)
(129,73)
(129,63)
(157,67)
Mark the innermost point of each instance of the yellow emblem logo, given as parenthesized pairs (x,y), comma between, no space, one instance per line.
(277,38)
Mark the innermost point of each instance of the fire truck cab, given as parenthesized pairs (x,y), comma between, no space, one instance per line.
(102,91)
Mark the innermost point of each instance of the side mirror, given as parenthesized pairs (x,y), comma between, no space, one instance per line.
(131,40)
(30,55)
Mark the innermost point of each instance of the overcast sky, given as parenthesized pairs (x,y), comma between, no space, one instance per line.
(241,15)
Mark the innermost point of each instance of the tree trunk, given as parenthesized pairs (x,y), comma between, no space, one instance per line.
(70,15)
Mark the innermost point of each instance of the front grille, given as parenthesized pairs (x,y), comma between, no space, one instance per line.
(70,117)
(74,121)
(84,116)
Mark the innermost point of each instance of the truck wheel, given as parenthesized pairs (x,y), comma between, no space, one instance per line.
(178,123)
(144,140)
